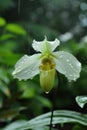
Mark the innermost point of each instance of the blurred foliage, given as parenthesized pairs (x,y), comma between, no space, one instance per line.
(21,21)
(4,5)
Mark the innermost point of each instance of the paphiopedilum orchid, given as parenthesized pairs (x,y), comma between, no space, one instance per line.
(46,62)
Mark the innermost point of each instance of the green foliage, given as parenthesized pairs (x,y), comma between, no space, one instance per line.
(14,28)
(81,100)
(42,31)
(7,59)
(5,4)
(21,102)
(2,22)
(59,116)
(79,127)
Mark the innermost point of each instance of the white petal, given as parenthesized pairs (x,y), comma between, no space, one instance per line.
(67,64)
(45,46)
(27,67)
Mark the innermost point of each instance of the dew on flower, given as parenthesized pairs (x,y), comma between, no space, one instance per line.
(74,79)
(70,64)
(53,125)
(47,92)
(67,60)
(78,64)
(45,63)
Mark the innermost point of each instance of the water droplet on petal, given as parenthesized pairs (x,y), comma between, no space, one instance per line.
(67,60)
(47,92)
(53,125)
(74,79)
(78,64)
(70,64)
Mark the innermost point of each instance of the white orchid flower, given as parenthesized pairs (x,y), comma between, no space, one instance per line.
(45,63)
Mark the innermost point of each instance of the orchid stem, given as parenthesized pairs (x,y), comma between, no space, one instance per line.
(51,119)
(53,102)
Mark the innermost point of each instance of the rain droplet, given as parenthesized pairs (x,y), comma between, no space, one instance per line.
(70,64)
(67,60)
(53,125)
(47,92)
(79,65)
(74,79)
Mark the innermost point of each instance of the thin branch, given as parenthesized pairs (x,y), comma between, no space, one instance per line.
(51,118)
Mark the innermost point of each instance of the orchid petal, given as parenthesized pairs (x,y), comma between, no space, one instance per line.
(67,64)
(45,46)
(27,67)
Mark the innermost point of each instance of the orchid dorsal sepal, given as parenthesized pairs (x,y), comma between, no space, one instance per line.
(45,46)
(46,62)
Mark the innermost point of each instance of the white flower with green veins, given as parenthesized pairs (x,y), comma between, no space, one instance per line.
(45,63)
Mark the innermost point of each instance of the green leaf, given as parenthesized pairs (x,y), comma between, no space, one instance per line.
(2,22)
(14,28)
(4,75)
(59,116)
(1,101)
(44,101)
(81,100)
(4,89)
(6,37)
(79,127)
(8,114)
(9,45)
(6,4)
(16,124)
(28,93)
(7,57)
(43,128)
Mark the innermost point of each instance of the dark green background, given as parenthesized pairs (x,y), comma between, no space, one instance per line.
(25,20)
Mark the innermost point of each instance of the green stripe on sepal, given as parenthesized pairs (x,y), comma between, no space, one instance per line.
(47,78)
